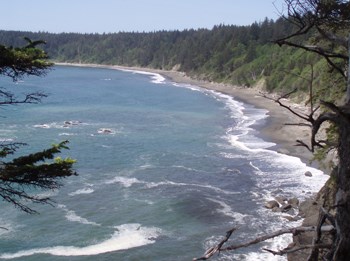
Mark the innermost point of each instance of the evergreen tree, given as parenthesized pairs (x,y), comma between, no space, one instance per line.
(40,170)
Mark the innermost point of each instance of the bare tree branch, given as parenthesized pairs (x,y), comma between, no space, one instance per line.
(296,230)
(342,41)
(296,249)
(278,100)
(213,250)
(323,216)
(301,124)
(8,98)
(318,50)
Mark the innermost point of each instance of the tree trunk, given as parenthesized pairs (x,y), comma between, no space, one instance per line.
(343,194)
(347,100)
(343,181)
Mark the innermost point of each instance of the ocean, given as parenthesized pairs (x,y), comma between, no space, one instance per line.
(165,169)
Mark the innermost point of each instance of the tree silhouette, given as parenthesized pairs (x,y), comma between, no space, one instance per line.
(39,170)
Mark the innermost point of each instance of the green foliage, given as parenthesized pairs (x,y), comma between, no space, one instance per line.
(40,170)
(28,60)
(332,134)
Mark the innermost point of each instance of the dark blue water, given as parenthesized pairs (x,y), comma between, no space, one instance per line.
(164,170)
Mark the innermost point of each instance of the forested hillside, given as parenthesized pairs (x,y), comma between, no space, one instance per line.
(242,55)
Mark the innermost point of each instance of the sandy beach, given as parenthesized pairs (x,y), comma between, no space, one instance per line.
(274,130)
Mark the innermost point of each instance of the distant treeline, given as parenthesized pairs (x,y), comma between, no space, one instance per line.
(243,55)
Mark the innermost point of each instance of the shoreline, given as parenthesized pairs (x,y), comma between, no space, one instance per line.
(273,130)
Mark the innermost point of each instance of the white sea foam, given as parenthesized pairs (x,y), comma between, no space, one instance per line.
(240,134)
(66,134)
(254,167)
(228,211)
(106,131)
(47,194)
(288,173)
(73,217)
(286,169)
(42,126)
(187,168)
(52,125)
(59,125)
(146,166)
(81,191)
(6,140)
(156,77)
(125,237)
(128,182)
(167,183)
(188,86)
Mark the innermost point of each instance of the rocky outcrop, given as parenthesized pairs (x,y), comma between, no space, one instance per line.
(309,210)
(271,204)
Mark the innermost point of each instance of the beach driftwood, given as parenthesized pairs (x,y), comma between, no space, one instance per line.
(296,230)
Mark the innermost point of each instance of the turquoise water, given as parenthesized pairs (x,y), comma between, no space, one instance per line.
(164,170)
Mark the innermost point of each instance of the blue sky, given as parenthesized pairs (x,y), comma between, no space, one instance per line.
(99,16)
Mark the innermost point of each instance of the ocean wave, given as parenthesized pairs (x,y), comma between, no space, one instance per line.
(156,77)
(67,134)
(47,194)
(6,140)
(286,169)
(125,237)
(188,86)
(106,131)
(167,183)
(73,217)
(128,182)
(226,210)
(81,191)
(187,168)
(254,167)
(285,172)
(43,126)
(239,133)
(58,125)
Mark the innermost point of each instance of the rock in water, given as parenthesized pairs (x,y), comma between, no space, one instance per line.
(271,204)
(308,174)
